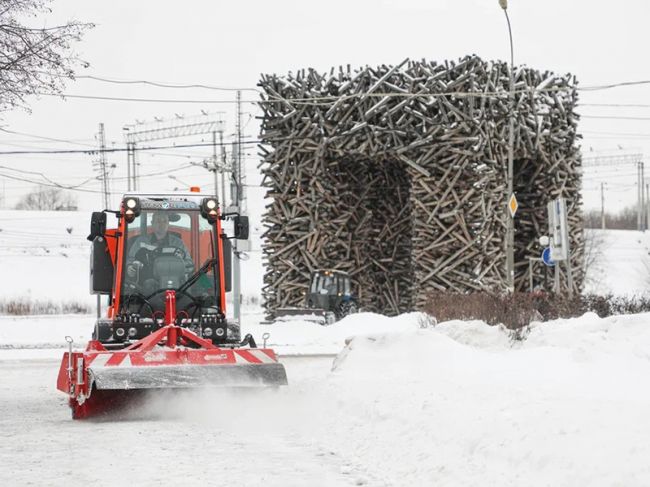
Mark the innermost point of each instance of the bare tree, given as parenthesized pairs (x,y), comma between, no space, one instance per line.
(594,244)
(43,199)
(34,60)
(625,219)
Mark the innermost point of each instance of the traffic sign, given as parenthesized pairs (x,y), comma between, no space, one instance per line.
(546,257)
(513,205)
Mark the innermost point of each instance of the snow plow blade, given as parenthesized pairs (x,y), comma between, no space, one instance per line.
(188,376)
(316,315)
(100,381)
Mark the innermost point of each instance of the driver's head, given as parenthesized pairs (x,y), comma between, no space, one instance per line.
(160,224)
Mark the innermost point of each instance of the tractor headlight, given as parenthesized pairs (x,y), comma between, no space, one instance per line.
(133,331)
(120,332)
(210,209)
(207,332)
(131,208)
(220,332)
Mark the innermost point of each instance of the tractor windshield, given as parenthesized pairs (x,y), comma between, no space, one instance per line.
(164,249)
(330,283)
(324,283)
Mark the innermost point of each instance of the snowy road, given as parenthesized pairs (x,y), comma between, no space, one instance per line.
(205,438)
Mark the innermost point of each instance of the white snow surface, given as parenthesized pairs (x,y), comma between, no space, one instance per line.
(455,404)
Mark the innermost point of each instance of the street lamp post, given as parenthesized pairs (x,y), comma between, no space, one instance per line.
(510,219)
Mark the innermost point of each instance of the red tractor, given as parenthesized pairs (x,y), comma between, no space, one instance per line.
(166,271)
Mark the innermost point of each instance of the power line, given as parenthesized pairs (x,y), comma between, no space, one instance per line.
(614,133)
(94,151)
(614,105)
(166,84)
(143,100)
(47,179)
(160,84)
(42,137)
(614,117)
(9,176)
(160,173)
(315,100)
(614,85)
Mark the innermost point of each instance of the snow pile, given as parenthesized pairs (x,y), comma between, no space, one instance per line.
(566,407)
(308,337)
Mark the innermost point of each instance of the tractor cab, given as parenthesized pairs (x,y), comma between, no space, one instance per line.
(163,243)
(330,290)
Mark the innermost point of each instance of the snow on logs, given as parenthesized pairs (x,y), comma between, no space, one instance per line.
(397,175)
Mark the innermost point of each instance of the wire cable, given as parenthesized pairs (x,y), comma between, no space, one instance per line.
(161,84)
(143,100)
(16,178)
(124,149)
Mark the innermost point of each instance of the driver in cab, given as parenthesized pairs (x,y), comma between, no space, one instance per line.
(159,256)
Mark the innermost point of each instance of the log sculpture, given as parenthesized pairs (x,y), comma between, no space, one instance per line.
(397,175)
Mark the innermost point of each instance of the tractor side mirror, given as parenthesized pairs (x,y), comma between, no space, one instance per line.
(101,267)
(227,264)
(241,227)
(97,225)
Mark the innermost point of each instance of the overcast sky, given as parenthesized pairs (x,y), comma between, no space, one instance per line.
(229,44)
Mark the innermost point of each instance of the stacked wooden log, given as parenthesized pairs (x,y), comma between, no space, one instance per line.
(397,175)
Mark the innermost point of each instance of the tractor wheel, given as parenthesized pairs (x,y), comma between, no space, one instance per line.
(346,308)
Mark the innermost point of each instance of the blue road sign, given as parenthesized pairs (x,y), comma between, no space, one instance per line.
(546,257)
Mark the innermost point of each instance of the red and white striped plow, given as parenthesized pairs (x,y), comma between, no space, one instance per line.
(97,380)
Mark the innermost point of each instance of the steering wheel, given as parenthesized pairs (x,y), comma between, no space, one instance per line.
(141,297)
(185,294)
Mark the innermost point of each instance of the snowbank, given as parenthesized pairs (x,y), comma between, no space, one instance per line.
(568,406)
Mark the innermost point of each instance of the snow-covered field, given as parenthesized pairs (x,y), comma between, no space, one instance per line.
(403,403)
(620,262)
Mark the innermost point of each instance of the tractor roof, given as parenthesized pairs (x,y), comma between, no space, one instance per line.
(169,201)
(331,271)
(188,196)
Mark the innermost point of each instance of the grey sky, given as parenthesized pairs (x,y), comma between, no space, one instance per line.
(230,43)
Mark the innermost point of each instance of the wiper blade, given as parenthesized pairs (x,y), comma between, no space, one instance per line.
(195,277)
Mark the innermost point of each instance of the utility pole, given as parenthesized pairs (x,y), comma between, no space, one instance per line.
(103,167)
(223,170)
(130,159)
(639,185)
(237,180)
(647,205)
(602,206)
(215,164)
(642,198)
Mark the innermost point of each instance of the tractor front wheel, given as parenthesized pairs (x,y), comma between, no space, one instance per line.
(346,308)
